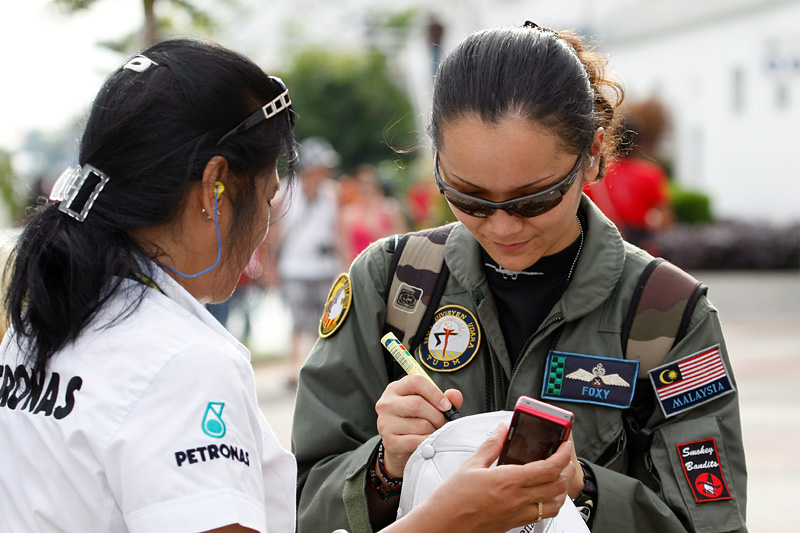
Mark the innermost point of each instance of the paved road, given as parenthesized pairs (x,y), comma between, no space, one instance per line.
(761,317)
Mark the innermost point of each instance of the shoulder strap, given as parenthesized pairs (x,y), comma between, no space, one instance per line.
(658,317)
(659,313)
(416,280)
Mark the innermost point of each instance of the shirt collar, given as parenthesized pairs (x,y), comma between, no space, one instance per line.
(175,292)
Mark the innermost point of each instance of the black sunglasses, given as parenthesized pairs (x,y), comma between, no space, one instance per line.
(525,206)
(267,111)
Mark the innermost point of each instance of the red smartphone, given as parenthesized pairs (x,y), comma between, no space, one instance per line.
(537,430)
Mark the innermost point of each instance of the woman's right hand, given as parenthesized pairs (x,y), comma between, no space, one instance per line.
(409,410)
(476,498)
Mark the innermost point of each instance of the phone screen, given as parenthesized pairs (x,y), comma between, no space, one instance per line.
(534,438)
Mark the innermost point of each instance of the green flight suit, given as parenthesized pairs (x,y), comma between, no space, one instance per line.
(335,434)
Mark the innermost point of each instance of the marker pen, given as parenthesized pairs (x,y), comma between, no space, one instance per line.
(410,365)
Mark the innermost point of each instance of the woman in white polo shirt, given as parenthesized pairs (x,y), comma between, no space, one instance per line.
(124,405)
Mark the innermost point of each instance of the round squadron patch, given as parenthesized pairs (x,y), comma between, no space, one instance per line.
(340,298)
(452,341)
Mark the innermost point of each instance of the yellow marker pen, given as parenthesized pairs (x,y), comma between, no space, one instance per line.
(410,365)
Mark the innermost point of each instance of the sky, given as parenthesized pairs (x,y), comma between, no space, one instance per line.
(51,70)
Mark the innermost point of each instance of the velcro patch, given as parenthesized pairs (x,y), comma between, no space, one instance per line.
(692,381)
(340,298)
(452,341)
(572,377)
(408,298)
(700,462)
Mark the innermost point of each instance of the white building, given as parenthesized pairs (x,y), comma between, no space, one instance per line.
(729,71)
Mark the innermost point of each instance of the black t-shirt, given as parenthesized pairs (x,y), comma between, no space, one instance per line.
(525,298)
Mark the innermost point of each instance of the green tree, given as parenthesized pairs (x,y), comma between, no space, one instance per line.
(9,190)
(351,100)
(154,26)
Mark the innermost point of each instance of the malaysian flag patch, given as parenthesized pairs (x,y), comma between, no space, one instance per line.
(692,381)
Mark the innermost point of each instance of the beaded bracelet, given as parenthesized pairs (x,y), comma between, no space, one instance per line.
(587,500)
(395,484)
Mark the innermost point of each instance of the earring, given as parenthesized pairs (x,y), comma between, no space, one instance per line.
(208,217)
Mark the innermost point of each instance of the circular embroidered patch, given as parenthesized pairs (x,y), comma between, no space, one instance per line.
(340,298)
(452,341)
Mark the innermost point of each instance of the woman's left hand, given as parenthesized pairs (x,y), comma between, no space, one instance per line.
(576,483)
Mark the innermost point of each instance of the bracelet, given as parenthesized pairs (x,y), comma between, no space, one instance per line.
(587,500)
(395,484)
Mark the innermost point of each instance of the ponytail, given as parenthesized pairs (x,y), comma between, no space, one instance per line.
(608,96)
(58,279)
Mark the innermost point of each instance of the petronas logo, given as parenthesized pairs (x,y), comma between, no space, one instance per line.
(213,426)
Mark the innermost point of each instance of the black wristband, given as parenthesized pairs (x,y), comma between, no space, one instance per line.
(395,484)
(586,502)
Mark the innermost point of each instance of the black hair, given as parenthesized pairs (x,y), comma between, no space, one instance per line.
(546,77)
(152,132)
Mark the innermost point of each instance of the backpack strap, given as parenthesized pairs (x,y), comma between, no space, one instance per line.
(659,313)
(416,280)
(658,317)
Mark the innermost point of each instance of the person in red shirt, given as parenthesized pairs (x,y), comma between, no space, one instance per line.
(634,193)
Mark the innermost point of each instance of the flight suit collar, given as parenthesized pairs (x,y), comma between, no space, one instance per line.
(597,272)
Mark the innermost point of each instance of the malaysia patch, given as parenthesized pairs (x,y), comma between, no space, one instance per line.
(572,377)
(340,299)
(452,341)
(700,462)
(692,381)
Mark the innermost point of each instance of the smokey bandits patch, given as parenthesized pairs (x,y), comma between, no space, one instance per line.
(703,471)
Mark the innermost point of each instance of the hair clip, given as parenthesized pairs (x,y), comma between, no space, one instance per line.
(265,112)
(69,185)
(529,24)
(139,63)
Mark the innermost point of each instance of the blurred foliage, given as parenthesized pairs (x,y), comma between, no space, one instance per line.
(729,245)
(351,100)
(9,191)
(688,206)
(175,16)
(401,20)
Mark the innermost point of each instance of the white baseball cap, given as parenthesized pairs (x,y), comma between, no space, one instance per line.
(316,152)
(449,446)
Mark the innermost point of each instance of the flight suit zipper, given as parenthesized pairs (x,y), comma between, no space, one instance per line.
(504,383)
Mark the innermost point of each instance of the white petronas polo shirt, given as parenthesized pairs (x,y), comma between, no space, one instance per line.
(149,425)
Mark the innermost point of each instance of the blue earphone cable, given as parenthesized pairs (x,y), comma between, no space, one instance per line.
(219,248)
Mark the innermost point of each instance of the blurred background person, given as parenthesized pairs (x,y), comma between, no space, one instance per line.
(304,249)
(369,215)
(635,192)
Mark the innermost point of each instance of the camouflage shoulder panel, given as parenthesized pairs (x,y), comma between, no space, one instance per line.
(659,313)
(415,270)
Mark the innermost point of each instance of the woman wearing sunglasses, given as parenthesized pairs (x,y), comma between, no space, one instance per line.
(535,303)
